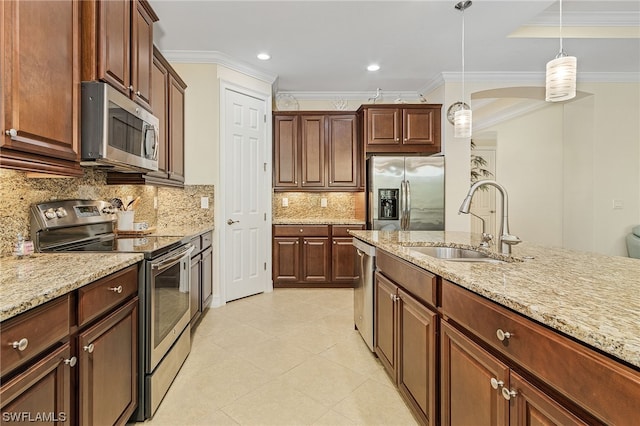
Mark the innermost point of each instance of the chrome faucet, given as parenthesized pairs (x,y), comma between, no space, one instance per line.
(486,238)
(506,240)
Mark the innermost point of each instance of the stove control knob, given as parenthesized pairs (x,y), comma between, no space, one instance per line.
(61,212)
(50,214)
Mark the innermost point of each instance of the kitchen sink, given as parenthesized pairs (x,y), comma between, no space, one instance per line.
(455,254)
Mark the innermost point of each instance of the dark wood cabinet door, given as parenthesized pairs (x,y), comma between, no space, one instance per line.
(108,368)
(383,126)
(286,260)
(419,126)
(532,407)
(206,289)
(176,129)
(312,149)
(141,54)
(417,353)
(315,259)
(45,388)
(114,44)
(285,151)
(194,287)
(343,260)
(40,74)
(344,160)
(159,103)
(466,370)
(385,330)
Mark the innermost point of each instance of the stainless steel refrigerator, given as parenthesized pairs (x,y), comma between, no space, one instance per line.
(405,193)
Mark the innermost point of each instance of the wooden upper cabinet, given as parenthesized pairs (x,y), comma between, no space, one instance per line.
(312,149)
(118,45)
(316,151)
(159,102)
(405,129)
(40,91)
(176,127)
(343,151)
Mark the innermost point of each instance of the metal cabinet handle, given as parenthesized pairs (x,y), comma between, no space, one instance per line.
(20,345)
(11,132)
(495,383)
(89,348)
(508,394)
(231,221)
(71,362)
(503,335)
(116,289)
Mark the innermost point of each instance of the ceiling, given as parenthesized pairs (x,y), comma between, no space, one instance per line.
(325,46)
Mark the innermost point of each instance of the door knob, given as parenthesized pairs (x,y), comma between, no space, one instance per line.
(231,221)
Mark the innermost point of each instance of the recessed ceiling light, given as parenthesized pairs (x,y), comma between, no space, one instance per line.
(264,56)
(373,67)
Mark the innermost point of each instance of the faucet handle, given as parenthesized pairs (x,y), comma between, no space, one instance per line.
(486,240)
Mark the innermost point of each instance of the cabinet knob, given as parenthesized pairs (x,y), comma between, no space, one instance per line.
(508,394)
(89,348)
(394,298)
(306,242)
(397,139)
(11,132)
(138,93)
(502,335)
(495,383)
(301,230)
(71,362)
(116,289)
(20,345)
(131,88)
(405,139)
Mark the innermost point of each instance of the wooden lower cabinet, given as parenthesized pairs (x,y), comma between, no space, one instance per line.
(201,288)
(108,360)
(313,256)
(42,390)
(406,344)
(477,388)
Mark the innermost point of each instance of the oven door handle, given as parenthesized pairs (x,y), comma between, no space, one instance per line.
(173,259)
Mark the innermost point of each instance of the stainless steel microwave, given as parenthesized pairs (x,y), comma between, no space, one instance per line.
(117,134)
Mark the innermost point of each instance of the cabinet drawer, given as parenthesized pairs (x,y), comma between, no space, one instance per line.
(40,328)
(343,230)
(420,283)
(206,239)
(301,230)
(104,294)
(601,386)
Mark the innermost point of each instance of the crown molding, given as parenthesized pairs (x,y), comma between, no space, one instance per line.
(389,95)
(219,58)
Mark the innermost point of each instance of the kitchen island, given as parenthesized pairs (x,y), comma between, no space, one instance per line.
(563,320)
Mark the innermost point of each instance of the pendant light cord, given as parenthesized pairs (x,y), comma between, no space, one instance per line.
(463,55)
(561,47)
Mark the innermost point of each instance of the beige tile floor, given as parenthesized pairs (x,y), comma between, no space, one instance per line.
(291,357)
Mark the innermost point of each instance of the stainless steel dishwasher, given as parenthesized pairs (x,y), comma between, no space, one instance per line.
(363,314)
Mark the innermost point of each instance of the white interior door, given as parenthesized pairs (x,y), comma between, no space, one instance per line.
(246,230)
(484,200)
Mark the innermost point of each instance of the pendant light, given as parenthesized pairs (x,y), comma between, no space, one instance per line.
(462,117)
(561,74)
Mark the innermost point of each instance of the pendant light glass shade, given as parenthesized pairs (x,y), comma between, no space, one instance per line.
(561,78)
(561,74)
(462,124)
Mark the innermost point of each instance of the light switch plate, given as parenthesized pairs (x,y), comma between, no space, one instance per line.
(204,202)
(323,202)
(618,204)
(285,202)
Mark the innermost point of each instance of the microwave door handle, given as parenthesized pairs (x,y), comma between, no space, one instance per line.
(166,263)
(156,141)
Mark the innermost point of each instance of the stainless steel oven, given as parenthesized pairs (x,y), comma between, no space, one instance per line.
(168,311)
(164,282)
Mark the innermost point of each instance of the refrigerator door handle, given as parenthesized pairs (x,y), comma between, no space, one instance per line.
(407,189)
(403,205)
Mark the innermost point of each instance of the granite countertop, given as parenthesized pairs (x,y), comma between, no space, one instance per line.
(34,280)
(319,221)
(182,231)
(591,297)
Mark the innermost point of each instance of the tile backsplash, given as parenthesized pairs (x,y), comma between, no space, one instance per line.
(174,206)
(309,205)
